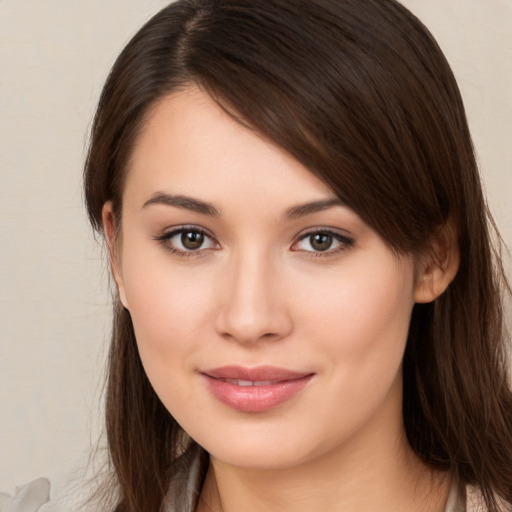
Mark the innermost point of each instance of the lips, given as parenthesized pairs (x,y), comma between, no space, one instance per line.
(254,389)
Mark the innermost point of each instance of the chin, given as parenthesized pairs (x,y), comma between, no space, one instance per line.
(262,458)
(261,448)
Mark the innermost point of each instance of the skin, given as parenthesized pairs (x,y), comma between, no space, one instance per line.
(258,292)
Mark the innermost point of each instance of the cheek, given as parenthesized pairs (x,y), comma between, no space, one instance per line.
(360,319)
(161,309)
(168,304)
(359,325)
(168,312)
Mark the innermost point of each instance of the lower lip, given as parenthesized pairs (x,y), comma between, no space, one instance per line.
(255,398)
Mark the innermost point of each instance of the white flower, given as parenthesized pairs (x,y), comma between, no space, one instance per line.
(28,498)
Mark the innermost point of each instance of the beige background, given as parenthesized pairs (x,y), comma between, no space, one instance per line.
(54,56)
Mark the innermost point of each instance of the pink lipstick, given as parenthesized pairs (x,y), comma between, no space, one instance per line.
(254,389)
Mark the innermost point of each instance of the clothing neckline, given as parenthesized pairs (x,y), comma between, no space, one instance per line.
(456,501)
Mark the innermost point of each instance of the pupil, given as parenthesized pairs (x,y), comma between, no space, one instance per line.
(321,242)
(192,240)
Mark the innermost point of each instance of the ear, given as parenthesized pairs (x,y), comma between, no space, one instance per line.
(110,231)
(438,267)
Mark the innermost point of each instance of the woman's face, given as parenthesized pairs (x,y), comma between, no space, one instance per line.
(270,319)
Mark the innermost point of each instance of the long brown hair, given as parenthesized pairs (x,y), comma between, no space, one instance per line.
(360,93)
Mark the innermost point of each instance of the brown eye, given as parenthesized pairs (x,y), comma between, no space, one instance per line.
(321,241)
(192,240)
(318,242)
(187,241)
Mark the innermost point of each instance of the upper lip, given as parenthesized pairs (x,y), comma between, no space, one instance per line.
(259,373)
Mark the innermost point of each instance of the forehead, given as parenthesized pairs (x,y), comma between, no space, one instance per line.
(188,144)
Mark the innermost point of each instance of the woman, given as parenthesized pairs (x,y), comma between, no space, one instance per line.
(308,312)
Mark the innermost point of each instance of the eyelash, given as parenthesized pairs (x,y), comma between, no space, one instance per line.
(345,242)
(164,240)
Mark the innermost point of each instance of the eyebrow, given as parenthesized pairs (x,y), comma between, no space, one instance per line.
(204,208)
(181,201)
(316,206)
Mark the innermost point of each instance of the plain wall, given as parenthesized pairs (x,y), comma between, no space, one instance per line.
(54,314)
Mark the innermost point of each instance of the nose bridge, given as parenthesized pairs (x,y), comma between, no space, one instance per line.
(252,307)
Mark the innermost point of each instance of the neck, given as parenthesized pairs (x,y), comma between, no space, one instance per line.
(385,478)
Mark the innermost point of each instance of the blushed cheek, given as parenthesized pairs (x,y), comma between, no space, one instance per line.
(363,322)
(383,309)
(162,317)
(166,331)
(168,307)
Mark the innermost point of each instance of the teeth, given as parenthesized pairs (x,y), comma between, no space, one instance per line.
(245,383)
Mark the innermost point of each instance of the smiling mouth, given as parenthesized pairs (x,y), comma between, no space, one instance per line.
(245,383)
(254,389)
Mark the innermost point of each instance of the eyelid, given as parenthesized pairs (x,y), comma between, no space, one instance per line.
(337,232)
(174,230)
(346,241)
(165,237)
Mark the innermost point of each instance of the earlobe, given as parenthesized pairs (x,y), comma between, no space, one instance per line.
(111,238)
(438,268)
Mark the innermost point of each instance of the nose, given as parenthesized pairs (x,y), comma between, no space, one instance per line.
(253,305)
